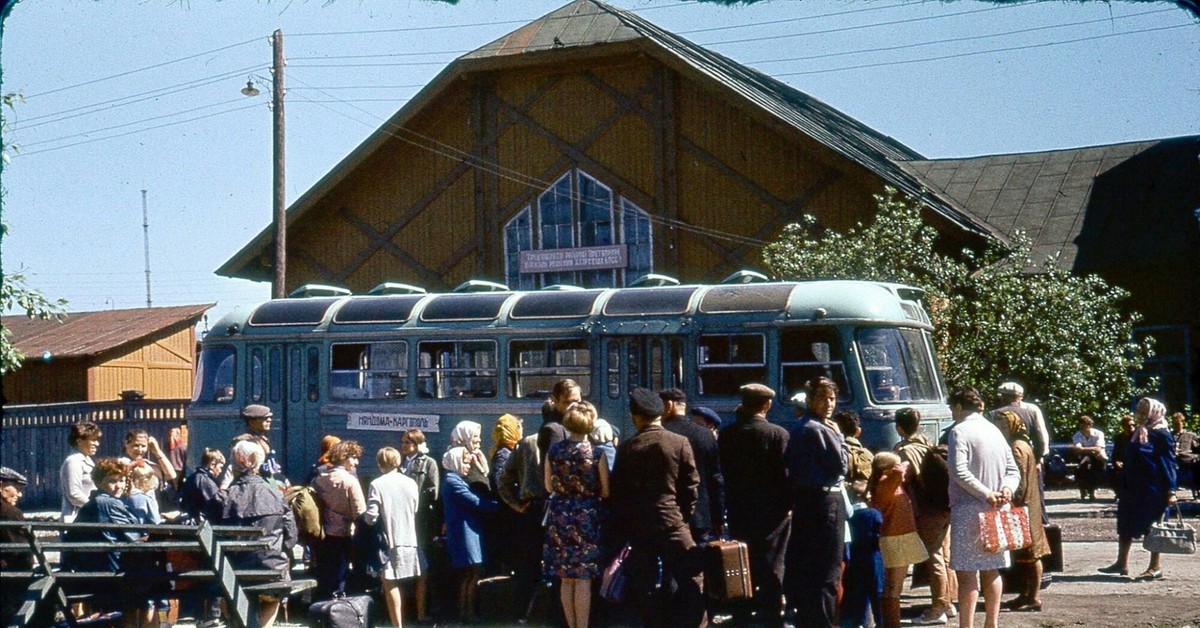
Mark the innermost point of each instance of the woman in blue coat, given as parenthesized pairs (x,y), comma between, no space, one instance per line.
(461,509)
(1147,485)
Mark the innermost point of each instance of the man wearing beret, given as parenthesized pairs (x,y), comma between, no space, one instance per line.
(12,484)
(816,458)
(757,499)
(654,488)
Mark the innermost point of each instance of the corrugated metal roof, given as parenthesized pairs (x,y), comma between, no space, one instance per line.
(1046,194)
(83,334)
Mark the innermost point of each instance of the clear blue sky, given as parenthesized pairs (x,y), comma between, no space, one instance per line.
(101,122)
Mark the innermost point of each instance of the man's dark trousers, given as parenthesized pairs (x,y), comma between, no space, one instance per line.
(814,557)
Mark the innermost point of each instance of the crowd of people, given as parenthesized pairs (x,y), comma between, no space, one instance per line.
(831,528)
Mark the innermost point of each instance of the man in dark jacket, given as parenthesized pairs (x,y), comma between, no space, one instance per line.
(199,491)
(816,458)
(654,488)
(707,523)
(12,485)
(757,498)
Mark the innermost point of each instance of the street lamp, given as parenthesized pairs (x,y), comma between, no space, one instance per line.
(279,209)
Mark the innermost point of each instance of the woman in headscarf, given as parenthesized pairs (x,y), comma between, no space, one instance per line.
(416,463)
(505,435)
(1028,564)
(462,510)
(1147,485)
(469,436)
(497,543)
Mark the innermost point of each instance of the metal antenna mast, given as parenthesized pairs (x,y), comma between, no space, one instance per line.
(146,241)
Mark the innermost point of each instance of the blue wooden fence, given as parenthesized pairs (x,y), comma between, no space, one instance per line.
(34,437)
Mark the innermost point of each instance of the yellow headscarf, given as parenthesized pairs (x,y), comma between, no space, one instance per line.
(1012,426)
(507,433)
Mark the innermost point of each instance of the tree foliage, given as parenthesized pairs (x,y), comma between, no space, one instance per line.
(998,315)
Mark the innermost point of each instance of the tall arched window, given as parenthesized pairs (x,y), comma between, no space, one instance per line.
(578,211)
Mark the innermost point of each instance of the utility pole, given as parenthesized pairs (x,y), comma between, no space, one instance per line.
(278,202)
(146,244)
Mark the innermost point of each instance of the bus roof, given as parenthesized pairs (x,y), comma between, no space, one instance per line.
(827,300)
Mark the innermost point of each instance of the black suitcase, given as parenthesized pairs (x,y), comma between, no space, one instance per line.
(342,612)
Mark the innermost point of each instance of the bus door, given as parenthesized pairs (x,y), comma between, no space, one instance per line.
(646,361)
(286,378)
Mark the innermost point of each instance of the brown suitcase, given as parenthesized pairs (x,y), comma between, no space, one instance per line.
(1054,562)
(727,570)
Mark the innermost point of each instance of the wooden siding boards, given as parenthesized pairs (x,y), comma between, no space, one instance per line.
(553,80)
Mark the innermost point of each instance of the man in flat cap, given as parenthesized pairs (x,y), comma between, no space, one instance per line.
(757,499)
(708,518)
(12,485)
(258,420)
(654,486)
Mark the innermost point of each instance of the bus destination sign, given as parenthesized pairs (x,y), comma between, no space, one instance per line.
(392,422)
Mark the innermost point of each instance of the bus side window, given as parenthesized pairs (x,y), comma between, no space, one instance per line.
(806,353)
(314,374)
(535,365)
(295,373)
(276,371)
(376,370)
(614,369)
(256,375)
(454,369)
(726,362)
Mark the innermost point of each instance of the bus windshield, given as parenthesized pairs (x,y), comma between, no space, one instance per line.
(897,365)
(215,375)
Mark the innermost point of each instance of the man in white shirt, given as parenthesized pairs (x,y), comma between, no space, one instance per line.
(1088,445)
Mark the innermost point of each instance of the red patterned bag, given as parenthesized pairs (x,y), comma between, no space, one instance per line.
(1004,529)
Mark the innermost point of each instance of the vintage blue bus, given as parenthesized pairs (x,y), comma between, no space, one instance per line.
(368,367)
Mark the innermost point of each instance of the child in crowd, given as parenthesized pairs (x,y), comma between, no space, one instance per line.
(898,543)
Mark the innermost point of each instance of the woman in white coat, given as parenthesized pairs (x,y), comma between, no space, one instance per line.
(392,502)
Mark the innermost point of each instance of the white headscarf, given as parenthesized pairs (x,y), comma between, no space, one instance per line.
(1153,415)
(461,438)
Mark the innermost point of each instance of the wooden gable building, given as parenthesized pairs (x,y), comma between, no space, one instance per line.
(588,147)
(94,356)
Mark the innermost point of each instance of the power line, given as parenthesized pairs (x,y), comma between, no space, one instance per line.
(110,137)
(135,122)
(142,69)
(958,39)
(115,103)
(982,52)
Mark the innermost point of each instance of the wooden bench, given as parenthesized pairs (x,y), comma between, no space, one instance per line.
(49,588)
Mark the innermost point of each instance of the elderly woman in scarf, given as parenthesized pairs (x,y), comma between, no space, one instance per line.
(1028,568)
(1147,485)
(463,510)
(468,436)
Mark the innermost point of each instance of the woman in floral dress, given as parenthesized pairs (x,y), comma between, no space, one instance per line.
(577,479)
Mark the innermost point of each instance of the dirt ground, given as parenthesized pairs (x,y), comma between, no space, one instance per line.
(1081,597)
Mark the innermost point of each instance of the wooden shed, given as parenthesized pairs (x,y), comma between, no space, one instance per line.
(588,147)
(94,356)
